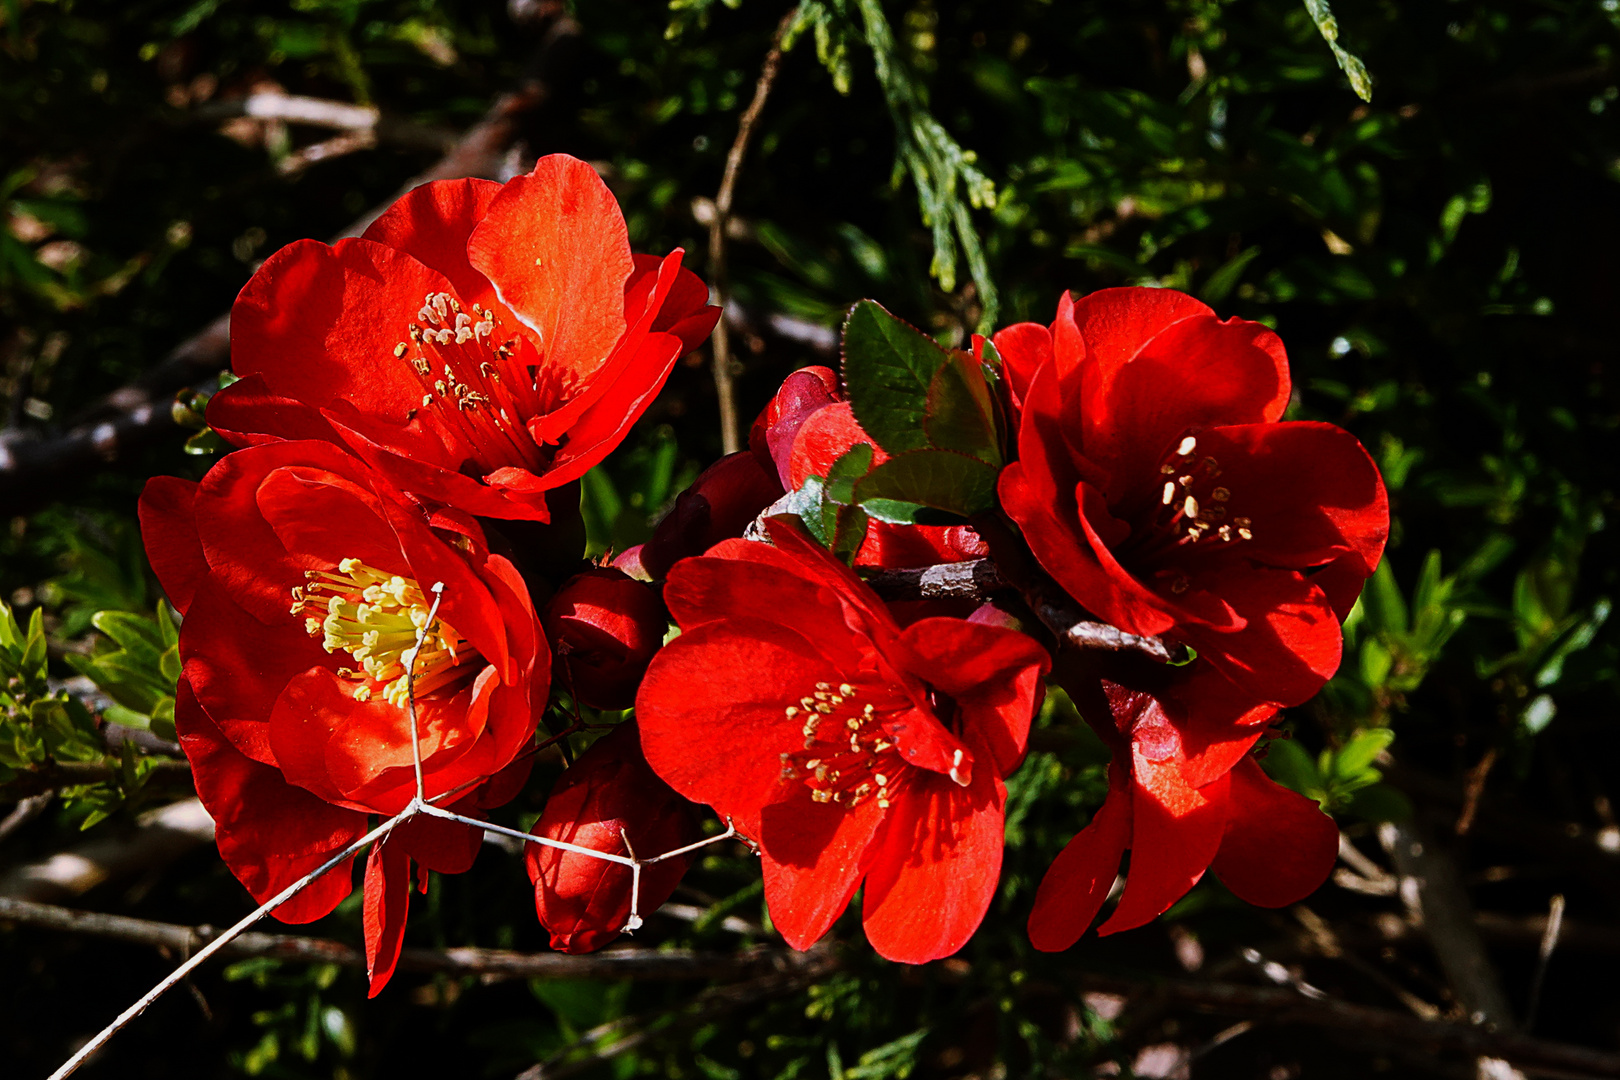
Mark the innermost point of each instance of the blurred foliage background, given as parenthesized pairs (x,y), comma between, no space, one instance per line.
(1441,261)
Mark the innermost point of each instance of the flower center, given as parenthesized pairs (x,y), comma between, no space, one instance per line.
(374,616)
(483,390)
(1192,507)
(847,756)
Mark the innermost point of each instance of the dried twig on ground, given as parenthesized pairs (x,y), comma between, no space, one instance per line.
(730,429)
(159,837)
(491,964)
(1286,1007)
(1436,901)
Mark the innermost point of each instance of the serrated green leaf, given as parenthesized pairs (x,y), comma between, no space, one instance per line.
(961,416)
(940,479)
(888,366)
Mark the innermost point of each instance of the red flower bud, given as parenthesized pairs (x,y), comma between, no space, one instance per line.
(804,392)
(608,793)
(604,627)
(718,506)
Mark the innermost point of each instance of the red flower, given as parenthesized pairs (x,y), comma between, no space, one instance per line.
(303,579)
(607,795)
(846,747)
(604,628)
(808,427)
(481,344)
(1267,844)
(1156,485)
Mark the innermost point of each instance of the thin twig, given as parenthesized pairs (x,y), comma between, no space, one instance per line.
(72,1064)
(1549,942)
(62,774)
(489,964)
(24,812)
(1474,790)
(730,428)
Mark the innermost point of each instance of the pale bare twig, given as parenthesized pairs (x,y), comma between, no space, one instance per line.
(730,428)
(1549,942)
(100,1039)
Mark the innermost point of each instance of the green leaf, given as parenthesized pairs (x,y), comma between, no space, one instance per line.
(853,464)
(939,479)
(1578,638)
(888,368)
(1380,802)
(1383,603)
(1287,763)
(1225,279)
(961,415)
(1357,755)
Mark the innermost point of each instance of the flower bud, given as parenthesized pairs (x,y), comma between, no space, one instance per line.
(609,793)
(803,393)
(604,627)
(718,506)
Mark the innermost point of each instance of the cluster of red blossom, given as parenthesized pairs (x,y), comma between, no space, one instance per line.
(414,407)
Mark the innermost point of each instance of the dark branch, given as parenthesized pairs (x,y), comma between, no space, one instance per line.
(492,964)
(980,579)
(64,774)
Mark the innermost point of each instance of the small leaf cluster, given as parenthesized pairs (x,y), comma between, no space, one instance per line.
(935,412)
(38,727)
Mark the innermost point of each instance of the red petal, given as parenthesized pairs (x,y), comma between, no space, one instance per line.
(446,846)
(1117,323)
(1023,347)
(320,323)
(707,589)
(432,224)
(936,870)
(1197,373)
(1279,846)
(1290,641)
(1310,489)
(1079,880)
(554,245)
(711,710)
(388,899)
(249,414)
(1175,829)
(269,833)
(237,665)
(825,436)
(685,311)
(169,531)
(813,856)
(993,675)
